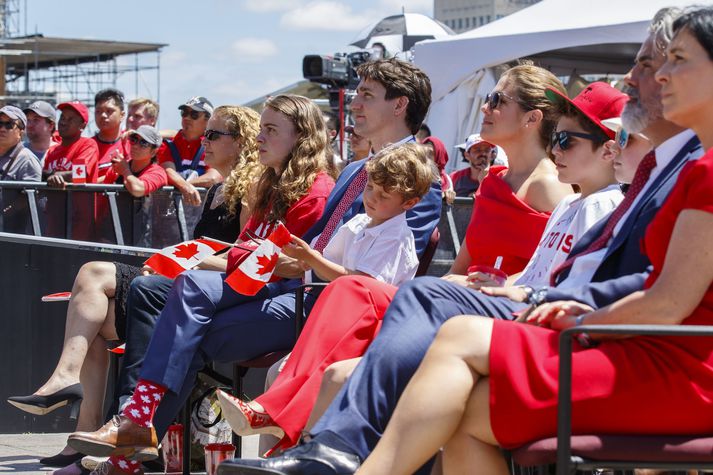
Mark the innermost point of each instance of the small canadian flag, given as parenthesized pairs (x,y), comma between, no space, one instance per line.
(255,271)
(173,260)
(79,173)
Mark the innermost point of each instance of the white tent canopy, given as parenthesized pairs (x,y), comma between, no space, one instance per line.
(563,35)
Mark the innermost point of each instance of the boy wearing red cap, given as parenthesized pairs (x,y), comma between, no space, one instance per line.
(74,149)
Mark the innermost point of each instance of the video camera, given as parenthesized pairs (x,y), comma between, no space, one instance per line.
(337,71)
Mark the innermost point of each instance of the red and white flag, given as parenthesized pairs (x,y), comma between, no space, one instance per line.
(79,173)
(255,271)
(57,297)
(173,260)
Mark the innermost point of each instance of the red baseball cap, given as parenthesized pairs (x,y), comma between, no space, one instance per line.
(78,107)
(598,101)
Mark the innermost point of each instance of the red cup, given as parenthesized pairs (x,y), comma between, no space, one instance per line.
(496,274)
(216,453)
(172,447)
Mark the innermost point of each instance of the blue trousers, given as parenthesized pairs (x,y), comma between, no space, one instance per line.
(205,320)
(362,409)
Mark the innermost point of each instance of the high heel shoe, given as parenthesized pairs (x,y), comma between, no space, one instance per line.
(244,420)
(61,460)
(41,405)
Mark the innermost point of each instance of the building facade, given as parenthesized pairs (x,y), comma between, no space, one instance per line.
(464,15)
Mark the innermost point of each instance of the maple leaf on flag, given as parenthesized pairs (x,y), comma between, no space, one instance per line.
(80,172)
(186,251)
(266,263)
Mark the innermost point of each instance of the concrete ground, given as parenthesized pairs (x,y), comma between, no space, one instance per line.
(19,453)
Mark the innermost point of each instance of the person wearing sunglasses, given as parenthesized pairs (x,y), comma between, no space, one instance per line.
(17,162)
(183,156)
(138,172)
(632,148)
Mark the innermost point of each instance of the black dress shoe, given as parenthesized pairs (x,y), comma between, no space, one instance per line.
(41,405)
(311,458)
(61,460)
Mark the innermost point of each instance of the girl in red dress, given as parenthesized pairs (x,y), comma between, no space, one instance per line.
(509,217)
(501,377)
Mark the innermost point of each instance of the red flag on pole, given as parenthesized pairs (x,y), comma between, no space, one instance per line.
(173,260)
(255,271)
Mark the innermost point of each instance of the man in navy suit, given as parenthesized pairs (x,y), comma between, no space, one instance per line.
(354,422)
(390,105)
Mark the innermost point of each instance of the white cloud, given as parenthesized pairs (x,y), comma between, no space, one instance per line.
(269,5)
(254,48)
(172,57)
(328,15)
(393,7)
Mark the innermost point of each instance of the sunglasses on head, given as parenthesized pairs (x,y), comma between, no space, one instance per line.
(494,99)
(137,140)
(185,112)
(9,125)
(563,138)
(212,135)
(621,138)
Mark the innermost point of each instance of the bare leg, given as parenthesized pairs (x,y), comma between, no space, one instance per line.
(425,420)
(334,378)
(466,450)
(87,314)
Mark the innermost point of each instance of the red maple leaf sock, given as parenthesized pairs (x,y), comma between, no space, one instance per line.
(143,403)
(124,465)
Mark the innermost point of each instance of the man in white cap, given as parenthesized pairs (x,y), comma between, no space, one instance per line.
(16,162)
(41,124)
(479,154)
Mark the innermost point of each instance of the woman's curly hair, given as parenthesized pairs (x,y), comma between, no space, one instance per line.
(277,191)
(244,124)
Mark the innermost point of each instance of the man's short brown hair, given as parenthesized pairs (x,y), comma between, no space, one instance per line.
(151,106)
(406,170)
(400,78)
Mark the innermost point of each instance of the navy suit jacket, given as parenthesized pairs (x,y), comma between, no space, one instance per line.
(422,218)
(624,267)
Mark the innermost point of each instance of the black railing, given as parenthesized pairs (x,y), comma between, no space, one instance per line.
(97,213)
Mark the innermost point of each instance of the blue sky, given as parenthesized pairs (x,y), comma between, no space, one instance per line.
(230,51)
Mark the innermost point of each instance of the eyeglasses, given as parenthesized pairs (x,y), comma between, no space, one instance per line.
(621,138)
(185,112)
(212,135)
(563,138)
(8,125)
(493,100)
(137,140)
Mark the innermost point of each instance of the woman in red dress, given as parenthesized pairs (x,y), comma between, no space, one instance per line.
(511,211)
(501,377)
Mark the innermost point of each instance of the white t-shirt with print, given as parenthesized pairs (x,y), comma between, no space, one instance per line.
(386,252)
(572,217)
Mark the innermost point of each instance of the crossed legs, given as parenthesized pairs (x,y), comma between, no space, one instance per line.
(457,365)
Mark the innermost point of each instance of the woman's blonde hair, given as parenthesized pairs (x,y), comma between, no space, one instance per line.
(244,124)
(277,191)
(529,83)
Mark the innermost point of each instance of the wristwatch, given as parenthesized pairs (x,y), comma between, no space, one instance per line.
(583,338)
(534,296)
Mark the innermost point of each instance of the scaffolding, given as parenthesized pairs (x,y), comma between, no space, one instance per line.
(61,69)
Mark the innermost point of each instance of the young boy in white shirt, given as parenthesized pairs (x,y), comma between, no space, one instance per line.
(378,243)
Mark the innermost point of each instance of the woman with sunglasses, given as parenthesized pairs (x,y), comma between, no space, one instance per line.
(502,376)
(513,204)
(97,312)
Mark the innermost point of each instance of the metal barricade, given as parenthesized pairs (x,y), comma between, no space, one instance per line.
(97,213)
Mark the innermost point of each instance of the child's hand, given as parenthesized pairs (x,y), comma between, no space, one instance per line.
(297,249)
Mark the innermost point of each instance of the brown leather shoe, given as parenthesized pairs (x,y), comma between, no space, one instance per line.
(119,436)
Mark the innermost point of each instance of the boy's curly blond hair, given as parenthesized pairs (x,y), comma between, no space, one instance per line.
(406,170)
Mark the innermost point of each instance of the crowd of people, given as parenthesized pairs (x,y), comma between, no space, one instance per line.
(593,209)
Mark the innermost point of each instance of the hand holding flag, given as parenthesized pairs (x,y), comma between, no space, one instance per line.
(256,270)
(173,260)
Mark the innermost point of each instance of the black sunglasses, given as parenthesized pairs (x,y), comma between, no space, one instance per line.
(212,135)
(8,125)
(185,112)
(494,99)
(563,138)
(137,140)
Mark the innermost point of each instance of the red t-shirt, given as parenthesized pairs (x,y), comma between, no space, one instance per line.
(105,150)
(186,148)
(153,176)
(60,158)
(299,218)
